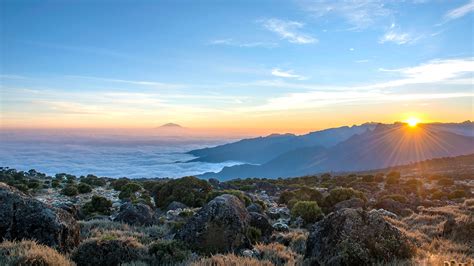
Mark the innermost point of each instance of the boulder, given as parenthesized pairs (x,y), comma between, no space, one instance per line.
(353,203)
(261,222)
(356,237)
(135,214)
(22,217)
(175,205)
(254,208)
(218,227)
(281,227)
(393,206)
(278,212)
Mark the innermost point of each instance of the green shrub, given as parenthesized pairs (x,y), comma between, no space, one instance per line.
(128,191)
(21,187)
(308,210)
(93,181)
(380,177)
(70,190)
(253,234)
(97,205)
(239,194)
(167,252)
(341,194)
(437,195)
(189,190)
(119,183)
(457,194)
(55,183)
(301,194)
(83,188)
(261,204)
(108,250)
(368,178)
(286,196)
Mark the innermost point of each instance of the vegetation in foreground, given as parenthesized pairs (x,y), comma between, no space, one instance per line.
(259,221)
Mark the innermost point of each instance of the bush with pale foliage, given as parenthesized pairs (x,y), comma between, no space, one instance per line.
(28,252)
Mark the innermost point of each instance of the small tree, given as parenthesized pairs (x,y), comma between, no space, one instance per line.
(70,190)
(84,188)
(97,204)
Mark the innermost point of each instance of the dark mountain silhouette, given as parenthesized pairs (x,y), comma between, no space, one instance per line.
(384,146)
(264,149)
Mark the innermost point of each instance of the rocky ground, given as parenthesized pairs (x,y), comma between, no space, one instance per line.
(353,219)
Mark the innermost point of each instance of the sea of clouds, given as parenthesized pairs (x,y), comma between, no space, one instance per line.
(106,153)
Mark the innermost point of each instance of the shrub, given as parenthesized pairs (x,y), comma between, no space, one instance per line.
(29,252)
(108,251)
(393,178)
(119,183)
(445,182)
(55,183)
(94,181)
(83,188)
(70,190)
(396,197)
(368,178)
(437,195)
(301,194)
(230,259)
(457,194)
(380,177)
(308,210)
(21,187)
(341,194)
(98,205)
(168,252)
(277,253)
(253,234)
(239,194)
(189,190)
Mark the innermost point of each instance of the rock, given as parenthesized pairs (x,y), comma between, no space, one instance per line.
(278,212)
(297,223)
(387,213)
(22,217)
(248,253)
(135,214)
(254,208)
(261,222)
(392,206)
(218,227)
(281,227)
(356,237)
(353,203)
(175,205)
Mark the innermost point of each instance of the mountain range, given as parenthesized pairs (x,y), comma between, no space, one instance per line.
(356,148)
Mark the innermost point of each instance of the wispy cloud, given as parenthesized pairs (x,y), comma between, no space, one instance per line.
(288,30)
(395,35)
(359,14)
(155,84)
(286,74)
(231,42)
(460,11)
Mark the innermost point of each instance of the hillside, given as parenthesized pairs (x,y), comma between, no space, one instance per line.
(385,146)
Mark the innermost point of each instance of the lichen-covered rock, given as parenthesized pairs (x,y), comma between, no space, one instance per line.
(254,208)
(22,217)
(135,214)
(219,227)
(356,237)
(261,222)
(393,206)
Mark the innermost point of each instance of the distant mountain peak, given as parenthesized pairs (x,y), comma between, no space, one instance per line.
(170,125)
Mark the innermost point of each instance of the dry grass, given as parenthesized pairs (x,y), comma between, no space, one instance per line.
(426,230)
(277,253)
(230,260)
(28,252)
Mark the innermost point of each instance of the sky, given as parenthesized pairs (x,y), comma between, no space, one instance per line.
(273,66)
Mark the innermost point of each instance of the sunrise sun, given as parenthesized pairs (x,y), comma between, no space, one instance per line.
(412,121)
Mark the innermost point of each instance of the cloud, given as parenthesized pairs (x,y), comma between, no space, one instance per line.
(360,14)
(286,74)
(231,42)
(434,71)
(288,30)
(460,11)
(396,36)
(155,84)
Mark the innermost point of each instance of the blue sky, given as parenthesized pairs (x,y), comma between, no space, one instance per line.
(280,65)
